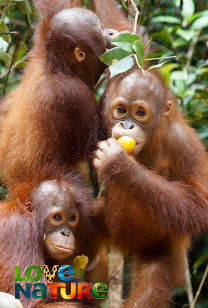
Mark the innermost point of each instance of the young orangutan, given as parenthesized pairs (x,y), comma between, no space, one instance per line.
(49,221)
(52,116)
(157,197)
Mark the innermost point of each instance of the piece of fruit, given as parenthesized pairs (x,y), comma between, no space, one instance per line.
(127,143)
(79,265)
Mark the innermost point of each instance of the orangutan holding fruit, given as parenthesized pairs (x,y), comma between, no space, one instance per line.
(127,143)
(156,197)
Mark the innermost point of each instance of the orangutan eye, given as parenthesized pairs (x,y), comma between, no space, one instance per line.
(121,110)
(57,217)
(72,218)
(141,112)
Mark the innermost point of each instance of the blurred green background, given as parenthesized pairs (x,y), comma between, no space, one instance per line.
(178,28)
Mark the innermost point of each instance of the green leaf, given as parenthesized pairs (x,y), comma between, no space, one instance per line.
(179,43)
(200,23)
(125,46)
(3,44)
(202,135)
(4,2)
(179,87)
(22,51)
(197,15)
(139,49)
(165,35)
(156,66)
(24,7)
(4,28)
(113,54)
(166,19)
(166,70)
(188,8)
(5,57)
(179,75)
(186,34)
(200,261)
(86,4)
(127,37)
(179,291)
(126,41)
(121,67)
(20,63)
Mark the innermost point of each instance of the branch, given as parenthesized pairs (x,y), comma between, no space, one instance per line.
(147,45)
(200,287)
(102,78)
(7,33)
(12,61)
(161,58)
(137,13)
(191,50)
(3,75)
(115,274)
(189,289)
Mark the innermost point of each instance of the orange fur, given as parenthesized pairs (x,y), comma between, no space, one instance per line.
(22,232)
(157,199)
(111,15)
(52,115)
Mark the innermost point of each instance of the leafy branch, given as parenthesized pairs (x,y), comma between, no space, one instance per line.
(129,51)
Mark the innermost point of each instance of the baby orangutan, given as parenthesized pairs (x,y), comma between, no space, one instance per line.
(49,223)
(157,197)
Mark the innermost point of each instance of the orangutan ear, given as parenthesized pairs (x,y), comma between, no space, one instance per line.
(28,207)
(168,107)
(79,54)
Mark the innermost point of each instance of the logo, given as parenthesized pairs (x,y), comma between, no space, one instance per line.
(34,289)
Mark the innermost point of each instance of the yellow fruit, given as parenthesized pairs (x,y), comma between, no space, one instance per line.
(79,265)
(127,143)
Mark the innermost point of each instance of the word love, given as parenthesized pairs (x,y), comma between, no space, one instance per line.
(66,274)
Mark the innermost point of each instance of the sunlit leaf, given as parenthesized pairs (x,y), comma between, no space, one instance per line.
(4,28)
(186,34)
(5,57)
(127,37)
(126,41)
(179,75)
(20,63)
(197,15)
(179,43)
(200,23)
(156,66)
(188,8)
(121,66)
(114,54)
(166,19)
(139,49)
(3,44)
(201,260)
(22,51)
(166,70)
